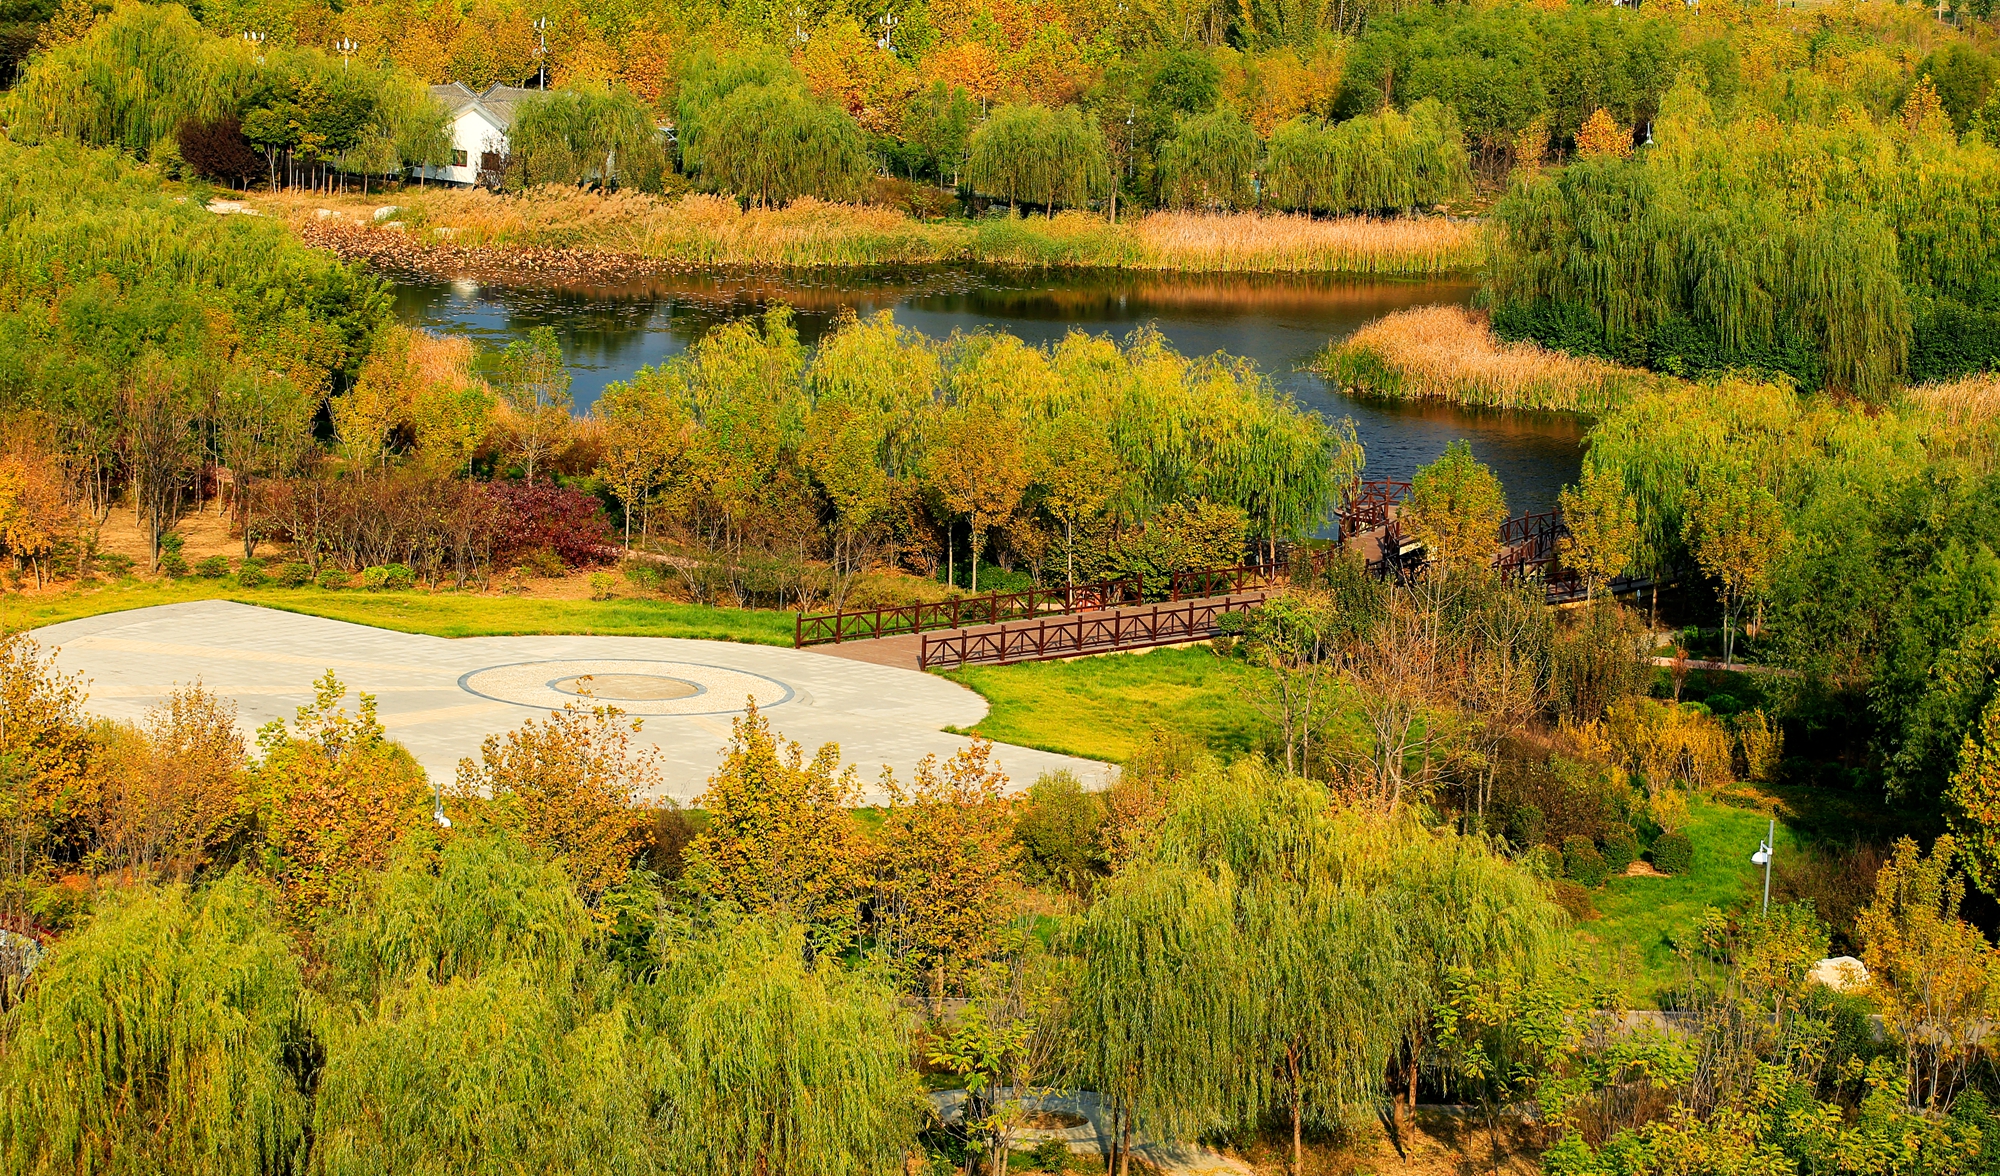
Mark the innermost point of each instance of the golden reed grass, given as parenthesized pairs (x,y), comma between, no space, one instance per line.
(1450,353)
(1967,402)
(714,230)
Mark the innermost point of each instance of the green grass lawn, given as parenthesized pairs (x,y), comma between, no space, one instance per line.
(442,614)
(1106,707)
(1640,918)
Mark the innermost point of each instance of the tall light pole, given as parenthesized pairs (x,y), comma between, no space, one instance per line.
(542,52)
(888,21)
(1763,858)
(256,43)
(346,48)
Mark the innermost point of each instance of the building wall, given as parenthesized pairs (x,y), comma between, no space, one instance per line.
(471,136)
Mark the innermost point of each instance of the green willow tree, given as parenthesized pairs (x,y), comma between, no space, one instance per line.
(1386,162)
(168,1034)
(1210,163)
(1035,155)
(748,126)
(584,133)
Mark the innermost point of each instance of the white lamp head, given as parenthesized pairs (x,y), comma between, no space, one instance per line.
(1762,857)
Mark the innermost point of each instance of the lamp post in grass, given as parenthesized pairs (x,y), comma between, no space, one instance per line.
(1763,858)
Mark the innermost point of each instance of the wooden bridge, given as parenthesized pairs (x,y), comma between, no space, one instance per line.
(1046,623)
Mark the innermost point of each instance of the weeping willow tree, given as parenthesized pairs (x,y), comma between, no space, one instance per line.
(1619,258)
(1209,163)
(1841,255)
(478,1033)
(131,81)
(173,1034)
(748,126)
(1156,1005)
(1211,429)
(585,133)
(768,1065)
(1385,162)
(1267,954)
(483,900)
(1040,156)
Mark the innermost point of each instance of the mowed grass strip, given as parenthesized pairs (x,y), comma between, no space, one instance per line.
(1107,707)
(1641,919)
(440,614)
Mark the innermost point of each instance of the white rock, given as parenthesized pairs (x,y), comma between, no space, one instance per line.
(323,213)
(386,211)
(1840,973)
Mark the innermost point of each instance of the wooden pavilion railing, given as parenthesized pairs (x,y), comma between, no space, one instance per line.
(1049,638)
(991,609)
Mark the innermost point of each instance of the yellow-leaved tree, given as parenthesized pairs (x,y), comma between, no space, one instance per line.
(332,795)
(947,853)
(1603,525)
(980,468)
(566,786)
(1602,136)
(781,837)
(1932,973)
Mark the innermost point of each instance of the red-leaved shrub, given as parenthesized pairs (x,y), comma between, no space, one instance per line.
(531,515)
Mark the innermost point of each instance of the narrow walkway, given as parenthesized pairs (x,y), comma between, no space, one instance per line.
(1092,1135)
(904,650)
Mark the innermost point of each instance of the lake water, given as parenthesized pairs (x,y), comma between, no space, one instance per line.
(1281,322)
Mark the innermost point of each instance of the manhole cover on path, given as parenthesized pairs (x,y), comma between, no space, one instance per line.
(635,687)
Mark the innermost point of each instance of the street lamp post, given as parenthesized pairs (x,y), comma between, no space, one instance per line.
(542,52)
(1763,858)
(256,43)
(346,48)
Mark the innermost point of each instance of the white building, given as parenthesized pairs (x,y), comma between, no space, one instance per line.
(479,125)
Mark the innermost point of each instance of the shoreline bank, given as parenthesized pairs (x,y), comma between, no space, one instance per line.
(581,238)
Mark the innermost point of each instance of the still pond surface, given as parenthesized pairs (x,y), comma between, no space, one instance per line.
(1281,322)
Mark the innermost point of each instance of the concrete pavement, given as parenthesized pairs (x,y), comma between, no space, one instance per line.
(441,696)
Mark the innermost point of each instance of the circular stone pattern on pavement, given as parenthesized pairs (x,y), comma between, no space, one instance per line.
(635,687)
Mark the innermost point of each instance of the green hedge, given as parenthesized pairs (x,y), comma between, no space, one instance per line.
(1673,853)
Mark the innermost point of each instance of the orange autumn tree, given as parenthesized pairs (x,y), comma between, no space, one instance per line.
(566,786)
(173,786)
(332,795)
(47,766)
(780,836)
(947,852)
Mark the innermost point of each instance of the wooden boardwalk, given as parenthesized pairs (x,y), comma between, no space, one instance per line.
(1134,624)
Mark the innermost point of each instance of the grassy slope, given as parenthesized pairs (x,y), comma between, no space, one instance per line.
(1105,707)
(1639,918)
(444,614)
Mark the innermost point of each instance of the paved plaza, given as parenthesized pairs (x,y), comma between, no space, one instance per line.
(441,696)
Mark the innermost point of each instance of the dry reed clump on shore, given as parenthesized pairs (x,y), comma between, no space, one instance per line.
(701,229)
(1401,246)
(1450,353)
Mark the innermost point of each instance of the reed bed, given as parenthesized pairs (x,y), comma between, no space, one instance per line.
(713,230)
(1450,353)
(1967,402)
(1395,247)
(1959,417)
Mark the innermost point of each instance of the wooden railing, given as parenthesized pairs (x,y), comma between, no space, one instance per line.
(991,609)
(1049,638)
(1370,505)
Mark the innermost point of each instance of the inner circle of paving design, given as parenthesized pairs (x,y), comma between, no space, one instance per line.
(635,687)
(627,687)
